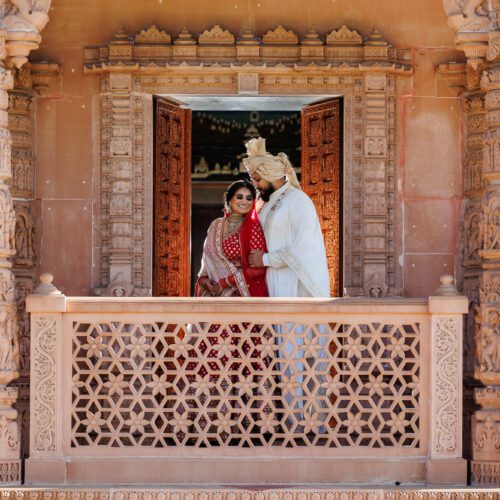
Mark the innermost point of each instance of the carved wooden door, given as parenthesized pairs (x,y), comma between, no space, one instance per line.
(321,176)
(172,199)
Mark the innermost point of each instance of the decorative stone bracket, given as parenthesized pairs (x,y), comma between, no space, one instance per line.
(45,75)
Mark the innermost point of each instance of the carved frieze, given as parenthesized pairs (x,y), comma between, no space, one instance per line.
(153,49)
(21,127)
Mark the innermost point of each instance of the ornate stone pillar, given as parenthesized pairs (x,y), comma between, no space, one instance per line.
(125,246)
(471,243)
(21,104)
(21,22)
(486,421)
(477,26)
(379,177)
(9,342)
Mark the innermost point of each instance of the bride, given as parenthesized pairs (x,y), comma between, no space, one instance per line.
(225,271)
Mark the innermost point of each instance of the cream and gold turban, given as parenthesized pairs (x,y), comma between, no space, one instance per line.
(271,168)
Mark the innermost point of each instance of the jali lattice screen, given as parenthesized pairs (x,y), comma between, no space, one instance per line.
(161,384)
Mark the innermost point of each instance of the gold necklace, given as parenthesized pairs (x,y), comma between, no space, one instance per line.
(232,224)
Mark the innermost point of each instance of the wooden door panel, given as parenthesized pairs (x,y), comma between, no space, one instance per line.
(321,176)
(172,199)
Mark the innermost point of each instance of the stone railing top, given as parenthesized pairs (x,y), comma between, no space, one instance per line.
(446,300)
(242,305)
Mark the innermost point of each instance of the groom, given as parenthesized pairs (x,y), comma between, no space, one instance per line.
(296,264)
(296,258)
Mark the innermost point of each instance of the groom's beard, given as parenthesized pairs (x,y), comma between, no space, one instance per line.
(265,194)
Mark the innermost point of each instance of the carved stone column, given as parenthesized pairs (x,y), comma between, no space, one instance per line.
(477,26)
(379,150)
(9,342)
(471,243)
(486,421)
(21,22)
(123,244)
(21,104)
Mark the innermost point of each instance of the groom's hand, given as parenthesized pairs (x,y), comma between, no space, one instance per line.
(255,258)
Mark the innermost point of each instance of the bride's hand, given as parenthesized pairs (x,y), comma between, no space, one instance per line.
(213,288)
(255,258)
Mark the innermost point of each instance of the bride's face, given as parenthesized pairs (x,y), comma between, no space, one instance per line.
(241,202)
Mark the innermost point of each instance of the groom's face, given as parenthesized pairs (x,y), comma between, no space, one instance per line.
(265,188)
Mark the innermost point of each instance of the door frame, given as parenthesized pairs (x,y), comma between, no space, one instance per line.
(206,102)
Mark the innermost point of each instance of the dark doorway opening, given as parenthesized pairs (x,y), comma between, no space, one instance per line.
(218,145)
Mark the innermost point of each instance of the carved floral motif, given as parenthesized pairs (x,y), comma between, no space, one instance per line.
(488,440)
(44,382)
(446,419)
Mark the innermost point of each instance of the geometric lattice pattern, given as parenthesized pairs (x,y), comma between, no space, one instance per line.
(162,384)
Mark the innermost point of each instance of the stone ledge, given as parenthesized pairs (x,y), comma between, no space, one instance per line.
(257,492)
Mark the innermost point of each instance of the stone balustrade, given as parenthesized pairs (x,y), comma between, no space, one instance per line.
(155,390)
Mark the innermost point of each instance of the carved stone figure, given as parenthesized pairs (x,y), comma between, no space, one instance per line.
(9,345)
(467,15)
(33,13)
(472,236)
(489,351)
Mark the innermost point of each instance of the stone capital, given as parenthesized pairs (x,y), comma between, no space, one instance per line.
(475,25)
(22,22)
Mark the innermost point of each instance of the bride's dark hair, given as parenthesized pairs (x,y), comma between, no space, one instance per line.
(235,186)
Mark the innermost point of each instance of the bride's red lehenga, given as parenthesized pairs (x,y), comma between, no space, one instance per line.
(229,257)
(225,261)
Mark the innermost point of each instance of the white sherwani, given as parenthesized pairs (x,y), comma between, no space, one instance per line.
(296,259)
